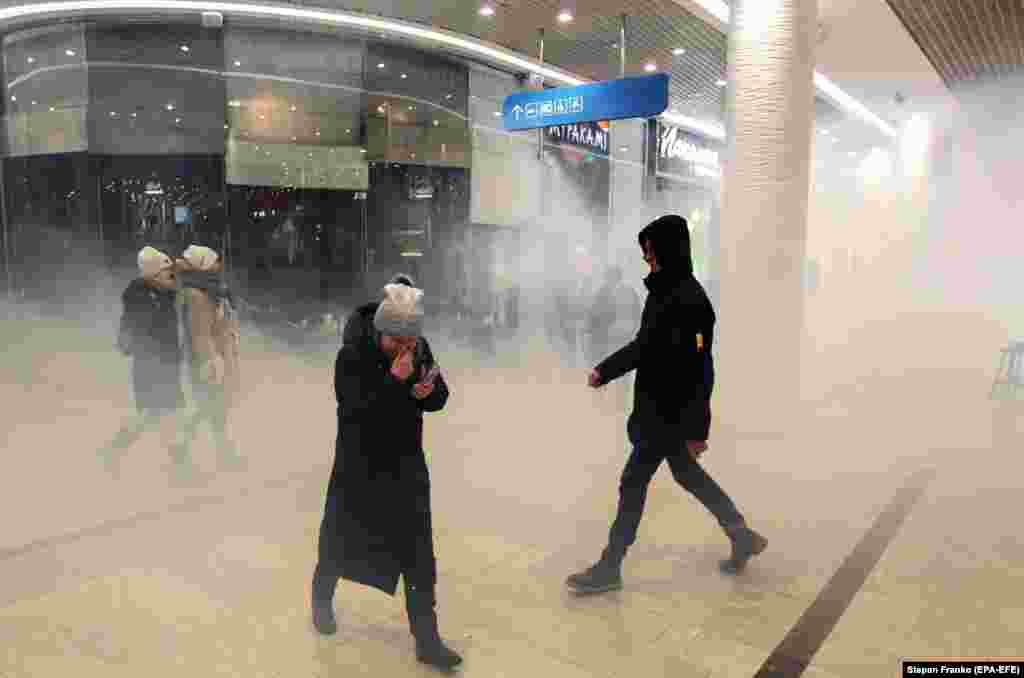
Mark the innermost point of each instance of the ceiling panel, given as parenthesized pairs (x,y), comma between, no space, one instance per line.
(588,45)
(969,42)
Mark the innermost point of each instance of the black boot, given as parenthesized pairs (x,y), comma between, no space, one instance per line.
(604,575)
(430,649)
(323,605)
(745,545)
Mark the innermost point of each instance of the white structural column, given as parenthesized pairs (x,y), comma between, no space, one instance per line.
(769,118)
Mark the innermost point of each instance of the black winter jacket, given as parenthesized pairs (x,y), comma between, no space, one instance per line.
(672,357)
(149,334)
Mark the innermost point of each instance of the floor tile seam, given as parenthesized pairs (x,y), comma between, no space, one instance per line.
(147,517)
(520,637)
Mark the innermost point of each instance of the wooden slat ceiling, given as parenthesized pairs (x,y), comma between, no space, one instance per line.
(969,42)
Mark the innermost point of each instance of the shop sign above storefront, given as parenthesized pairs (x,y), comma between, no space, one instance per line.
(640,97)
(592,136)
(680,152)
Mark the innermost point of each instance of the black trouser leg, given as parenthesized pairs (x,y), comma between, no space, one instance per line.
(691,475)
(640,468)
(419,576)
(324,585)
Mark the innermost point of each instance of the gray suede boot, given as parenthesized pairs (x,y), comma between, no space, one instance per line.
(745,545)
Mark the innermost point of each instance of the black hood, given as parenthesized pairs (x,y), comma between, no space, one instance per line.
(670,238)
(139,292)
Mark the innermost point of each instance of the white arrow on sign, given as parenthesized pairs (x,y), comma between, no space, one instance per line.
(516,110)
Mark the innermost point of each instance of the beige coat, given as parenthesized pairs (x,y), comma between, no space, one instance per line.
(215,345)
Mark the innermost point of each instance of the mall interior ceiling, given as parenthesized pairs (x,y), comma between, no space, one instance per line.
(661,36)
(970,42)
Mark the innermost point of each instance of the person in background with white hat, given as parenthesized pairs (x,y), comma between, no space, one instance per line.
(211,346)
(377,520)
(148,333)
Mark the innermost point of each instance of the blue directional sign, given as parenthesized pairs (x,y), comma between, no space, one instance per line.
(642,97)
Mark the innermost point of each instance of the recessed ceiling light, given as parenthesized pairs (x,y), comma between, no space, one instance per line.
(348,131)
(721,83)
(623,149)
(113,114)
(380,65)
(295,138)
(293,109)
(14,98)
(184,48)
(225,127)
(135,115)
(318,132)
(404,76)
(52,109)
(615,45)
(177,120)
(235,103)
(263,117)
(448,96)
(237,63)
(69,52)
(412,108)
(679,51)
(170,107)
(31,60)
(486,10)
(650,68)
(33,103)
(565,16)
(362,150)
(436,123)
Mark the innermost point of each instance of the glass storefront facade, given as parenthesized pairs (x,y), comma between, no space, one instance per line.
(687,173)
(318,163)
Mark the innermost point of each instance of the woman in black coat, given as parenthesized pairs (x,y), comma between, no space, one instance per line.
(377,520)
(148,334)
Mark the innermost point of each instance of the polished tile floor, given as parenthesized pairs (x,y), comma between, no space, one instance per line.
(209,576)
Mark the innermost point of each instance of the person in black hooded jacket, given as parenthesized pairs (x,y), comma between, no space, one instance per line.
(377,522)
(671,414)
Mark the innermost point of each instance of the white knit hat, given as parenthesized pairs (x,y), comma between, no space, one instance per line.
(400,314)
(152,261)
(200,258)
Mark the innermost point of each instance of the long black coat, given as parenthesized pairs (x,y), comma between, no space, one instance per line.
(376,522)
(149,334)
(671,354)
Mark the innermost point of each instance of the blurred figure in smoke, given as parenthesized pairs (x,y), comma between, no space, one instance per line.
(671,404)
(611,322)
(148,333)
(614,316)
(377,520)
(212,336)
(572,306)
